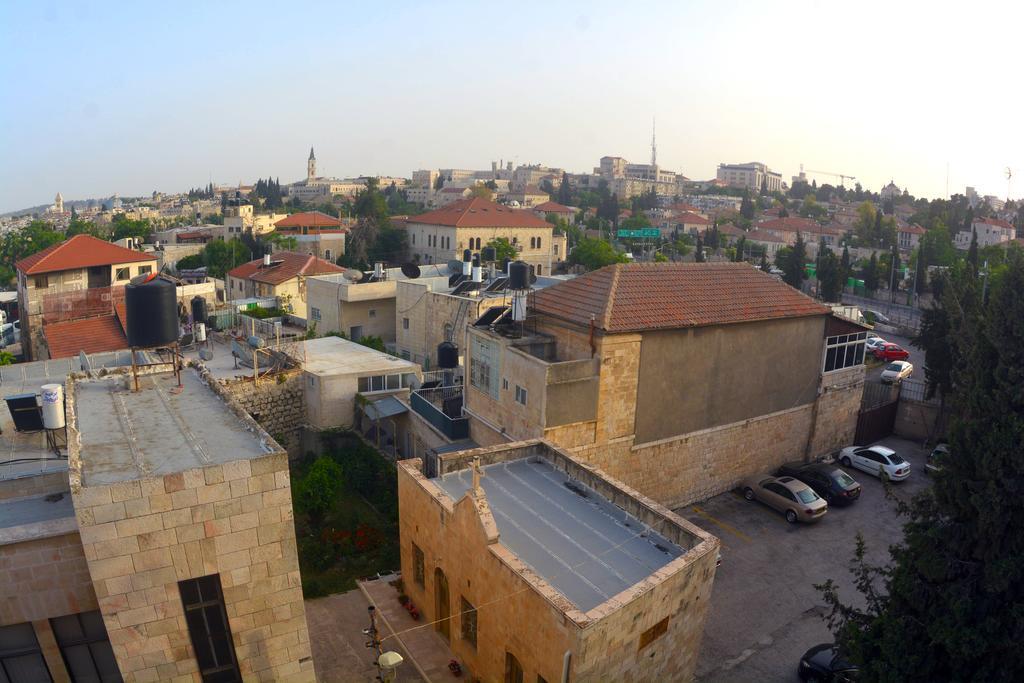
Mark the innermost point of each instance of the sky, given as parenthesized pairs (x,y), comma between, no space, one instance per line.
(108,97)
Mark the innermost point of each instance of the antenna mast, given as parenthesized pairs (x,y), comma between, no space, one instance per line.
(654,143)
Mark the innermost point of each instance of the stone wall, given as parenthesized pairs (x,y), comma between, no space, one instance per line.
(916,420)
(141,537)
(44,578)
(278,406)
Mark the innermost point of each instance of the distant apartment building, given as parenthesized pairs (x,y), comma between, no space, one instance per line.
(753,176)
(314,232)
(644,370)
(69,283)
(990,231)
(442,235)
(909,236)
(506,553)
(527,176)
(629,180)
(160,548)
(319,188)
(282,274)
(528,197)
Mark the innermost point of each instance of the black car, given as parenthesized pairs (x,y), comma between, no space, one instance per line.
(824,663)
(828,481)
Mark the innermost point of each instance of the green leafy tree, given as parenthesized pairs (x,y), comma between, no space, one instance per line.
(593,254)
(17,244)
(565,190)
(830,274)
(793,264)
(503,249)
(219,256)
(950,606)
(319,488)
(481,192)
(870,274)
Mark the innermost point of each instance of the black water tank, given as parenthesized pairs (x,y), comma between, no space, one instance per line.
(152,313)
(467,255)
(488,254)
(198,309)
(447,356)
(518,275)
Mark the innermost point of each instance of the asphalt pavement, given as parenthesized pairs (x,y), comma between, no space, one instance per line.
(916,358)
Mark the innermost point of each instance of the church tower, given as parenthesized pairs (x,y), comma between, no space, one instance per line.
(58,204)
(311,166)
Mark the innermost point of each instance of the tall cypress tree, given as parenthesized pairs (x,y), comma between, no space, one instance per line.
(972,254)
(952,608)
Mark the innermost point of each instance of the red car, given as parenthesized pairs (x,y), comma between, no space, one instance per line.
(890,352)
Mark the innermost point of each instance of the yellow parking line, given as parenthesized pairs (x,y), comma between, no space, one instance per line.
(728,527)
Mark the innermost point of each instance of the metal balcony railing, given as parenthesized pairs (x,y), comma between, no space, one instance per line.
(442,408)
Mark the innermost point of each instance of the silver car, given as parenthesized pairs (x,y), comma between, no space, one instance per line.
(795,499)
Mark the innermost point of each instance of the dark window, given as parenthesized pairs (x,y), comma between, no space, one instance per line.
(145,269)
(21,660)
(653,633)
(418,569)
(122,273)
(42,282)
(468,623)
(208,628)
(513,669)
(85,647)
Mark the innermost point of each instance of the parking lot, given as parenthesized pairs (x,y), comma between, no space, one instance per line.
(765,612)
(916,358)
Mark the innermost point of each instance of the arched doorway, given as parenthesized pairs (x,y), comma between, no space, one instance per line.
(442,606)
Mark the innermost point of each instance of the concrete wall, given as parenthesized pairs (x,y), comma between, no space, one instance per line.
(342,305)
(279,407)
(708,376)
(916,420)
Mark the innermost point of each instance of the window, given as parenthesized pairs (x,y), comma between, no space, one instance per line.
(385,382)
(373,313)
(41,282)
(208,629)
(538,242)
(414,239)
(844,351)
(468,618)
(504,384)
(555,248)
(145,269)
(513,669)
(483,366)
(405,355)
(520,395)
(327,254)
(83,643)
(418,570)
(355,333)
(21,660)
(653,633)
(122,273)
(405,323)
(314,313)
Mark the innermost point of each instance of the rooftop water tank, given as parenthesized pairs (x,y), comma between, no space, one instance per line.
(518,275)
(198,309)
(488,254)
(152,313)
(52,406)
(447,356)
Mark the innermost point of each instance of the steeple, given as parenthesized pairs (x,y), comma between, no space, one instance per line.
(312,157)
(311,166)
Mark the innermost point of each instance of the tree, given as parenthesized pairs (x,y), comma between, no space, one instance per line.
(593,254)
(319,488)
(741,245)
(698,251)
(830,274)
(951,602)
(844,264)
(503,249)
(972,254)
(481,192)
(793,264)
(17,244)
(220,257)
(870,274)
(764,261)
(565,190)
(438,182)
(747,207)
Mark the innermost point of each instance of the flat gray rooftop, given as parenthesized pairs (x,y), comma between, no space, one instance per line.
(23,519)
(583,545)
(158,430)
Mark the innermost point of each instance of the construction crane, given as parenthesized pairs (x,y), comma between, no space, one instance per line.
(842,176)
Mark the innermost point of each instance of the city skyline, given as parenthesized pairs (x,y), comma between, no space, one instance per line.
(126,100)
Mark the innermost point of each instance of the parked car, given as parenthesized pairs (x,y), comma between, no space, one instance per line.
(890,351)
(934,463)
(825,663)
(795,499)
(874,342)
(897,371)
(877,317)
(880,461)
(828,481)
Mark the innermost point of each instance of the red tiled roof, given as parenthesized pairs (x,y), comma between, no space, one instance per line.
(689,217)
(788,224)
(762,236)
(308,219)
(92,335)
(632,297)
(730,229)
(194,236)
(682,206)
(480,213)
(285,265)
(80,251)
(553,207)
(999,222)
(914,229)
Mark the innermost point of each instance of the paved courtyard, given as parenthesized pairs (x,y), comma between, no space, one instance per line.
(765,612)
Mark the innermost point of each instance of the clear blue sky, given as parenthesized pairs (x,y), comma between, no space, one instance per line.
(134,97)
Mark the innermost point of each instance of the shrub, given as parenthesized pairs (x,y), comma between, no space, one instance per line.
(318,488)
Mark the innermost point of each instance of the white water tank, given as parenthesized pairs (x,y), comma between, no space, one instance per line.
(199,330)
(53,406)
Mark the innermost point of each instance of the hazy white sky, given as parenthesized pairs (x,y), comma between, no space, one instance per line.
(107,97)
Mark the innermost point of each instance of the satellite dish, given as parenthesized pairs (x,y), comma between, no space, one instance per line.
(410,270)
(353,275)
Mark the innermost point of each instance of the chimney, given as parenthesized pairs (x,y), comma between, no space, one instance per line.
(477,271)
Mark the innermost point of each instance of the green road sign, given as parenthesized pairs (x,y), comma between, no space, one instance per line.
(643,233)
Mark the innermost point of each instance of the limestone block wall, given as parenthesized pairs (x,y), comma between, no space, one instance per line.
(141,537)
(839,401)
(279,407)
(44,578)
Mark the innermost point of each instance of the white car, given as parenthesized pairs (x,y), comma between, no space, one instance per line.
(872,342)
(880,461)
(897,371)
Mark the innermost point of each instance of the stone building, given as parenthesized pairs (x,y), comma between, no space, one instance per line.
(161,549)
(282,274)
(678,379)
(535,566)
(314,233)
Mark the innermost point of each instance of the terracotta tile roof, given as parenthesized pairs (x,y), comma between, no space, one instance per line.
(788,224)
(92,335)
(682,206)
(480,213)
(693,218)
(730,229)
(997,222)
(284,265)
(633,297)
(80,251)
(308,219)
(762,236)
(914,229)
(553,207)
